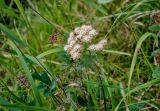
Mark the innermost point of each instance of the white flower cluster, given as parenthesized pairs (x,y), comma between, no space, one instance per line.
(80,35)
(97,47)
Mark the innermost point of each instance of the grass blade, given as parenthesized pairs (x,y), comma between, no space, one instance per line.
(48,52)
(148,84)
(116,52)
(27,71)
(11,35)
(138,46)
(32,108)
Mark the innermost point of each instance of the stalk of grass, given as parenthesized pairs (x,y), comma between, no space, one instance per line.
(20,7)
(27,72)
(102,83)
(48,52)
(104,97)
(140,87)
(48,21)
(105,83)
(143,101)
(119,20)
(11,35)
(111,95)
(137,49)
(116,52)
(123,95)
(145,13)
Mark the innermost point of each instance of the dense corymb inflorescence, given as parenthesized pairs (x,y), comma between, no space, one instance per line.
(79,36)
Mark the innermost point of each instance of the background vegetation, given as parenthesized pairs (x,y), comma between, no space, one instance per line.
(36,74)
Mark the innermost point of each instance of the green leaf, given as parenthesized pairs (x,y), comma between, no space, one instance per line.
(51,51)
(41,87)
(21,10)
(36,76)
(11,35)
(3,101)
(10,12)
(104,1)
(92,4)
(155,52)
(41,64)
(137,106)
(2,3)
(82,101)
(14,109)
(154,28)
(90,106)
(156,73)
(47,92)
(53,85)
(45,78)
(32,108)
(71,109)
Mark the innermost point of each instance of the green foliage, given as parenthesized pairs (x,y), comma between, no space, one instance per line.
(154,28)
(11,35)
(156,73)
(122,77)
(104,1)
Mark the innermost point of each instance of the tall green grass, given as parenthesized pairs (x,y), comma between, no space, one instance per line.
(118,78)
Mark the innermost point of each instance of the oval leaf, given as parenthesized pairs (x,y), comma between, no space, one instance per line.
(154,28)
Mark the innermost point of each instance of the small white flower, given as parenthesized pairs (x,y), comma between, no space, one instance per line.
(82,32)
(103,41)
(89,28)
(72,43)
(83,26)
(71,52)
(67,48)
(92,47)
(93,32)
(79,37)
(71,35)
(87,38)
(69,40)
(77,47)
(99,46)
(76,56)
(77,30)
